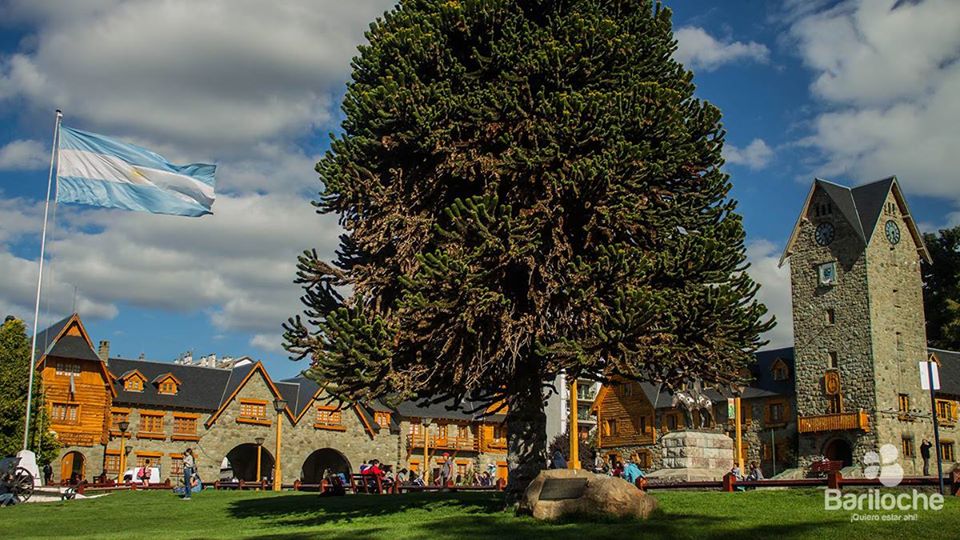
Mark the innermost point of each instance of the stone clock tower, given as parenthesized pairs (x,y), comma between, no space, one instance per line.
(858,324)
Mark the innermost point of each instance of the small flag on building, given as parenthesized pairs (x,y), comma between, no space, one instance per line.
(99,171)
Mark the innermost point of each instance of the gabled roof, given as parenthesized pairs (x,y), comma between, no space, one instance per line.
(56,341)
(46,339)
(200,389)
(130,373)
(73,347)
(862,207)
(949,371)
(238,379)
(163,376)
(299,392)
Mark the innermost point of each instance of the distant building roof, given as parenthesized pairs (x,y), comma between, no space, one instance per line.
(949,371)
(201,388)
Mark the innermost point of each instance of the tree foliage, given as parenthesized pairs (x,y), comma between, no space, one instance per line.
(14,379)
(526,187)
(941,289)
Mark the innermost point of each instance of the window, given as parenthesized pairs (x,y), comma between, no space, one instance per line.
(118,416)
(672,422)
(151,423)
(184,426)
(610,427)
(947,411)
(624,390)
(946,450)
(643,424)
(176,465)
(500,433)
(831,317)
(899,342)
(833,361)
(65,413)
(133,384)
(68,368)
(775,413)
(328,416)
(780,371)
(462,469)
(253,410)
(906,449)
(168,386)
(382,419)
(415,428)
(834,404)
(148,459)
(903,402)
(111,462)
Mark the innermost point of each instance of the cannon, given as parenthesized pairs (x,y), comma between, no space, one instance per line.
(18,480)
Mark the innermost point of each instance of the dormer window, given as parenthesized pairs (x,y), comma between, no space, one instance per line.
(167,384)
(780,370)
(68,368)
(133,381)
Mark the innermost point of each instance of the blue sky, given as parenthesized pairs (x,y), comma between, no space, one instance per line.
(848,90)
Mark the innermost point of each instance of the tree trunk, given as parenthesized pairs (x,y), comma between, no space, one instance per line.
(526,434)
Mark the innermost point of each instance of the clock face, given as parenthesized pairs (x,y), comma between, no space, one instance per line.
(892,231)
(824,234)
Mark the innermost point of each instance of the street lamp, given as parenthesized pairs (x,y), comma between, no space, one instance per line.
(123,425)
(426,445)
(279,405)
(259,441)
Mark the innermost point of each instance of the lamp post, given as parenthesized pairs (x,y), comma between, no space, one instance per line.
(259,441)
(279,405)
(574,428)
(123,425)
(426,445)
(737,392)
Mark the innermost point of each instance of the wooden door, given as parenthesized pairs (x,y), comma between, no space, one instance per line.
(72,462)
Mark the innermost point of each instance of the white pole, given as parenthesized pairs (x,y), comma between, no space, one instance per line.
(36,309)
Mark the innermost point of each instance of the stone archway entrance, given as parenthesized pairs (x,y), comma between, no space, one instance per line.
(72,463)
(322,462)
(241,463)
(839,450)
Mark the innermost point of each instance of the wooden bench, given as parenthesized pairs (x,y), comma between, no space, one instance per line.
(366,483)
(825,467)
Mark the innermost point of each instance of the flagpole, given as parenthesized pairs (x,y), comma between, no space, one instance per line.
(36,309)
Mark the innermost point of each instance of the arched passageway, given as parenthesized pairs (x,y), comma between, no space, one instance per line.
(241,463)
(72,466)
(323,462)
(839,450)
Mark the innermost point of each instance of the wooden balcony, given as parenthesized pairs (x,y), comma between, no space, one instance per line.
(834,422)
(463,444)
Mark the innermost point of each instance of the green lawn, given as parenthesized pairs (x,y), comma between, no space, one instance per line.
(161,516)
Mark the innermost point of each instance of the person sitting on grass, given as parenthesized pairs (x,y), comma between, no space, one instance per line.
(195,486)
(6,491)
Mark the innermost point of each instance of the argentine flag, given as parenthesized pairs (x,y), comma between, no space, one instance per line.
(100,171)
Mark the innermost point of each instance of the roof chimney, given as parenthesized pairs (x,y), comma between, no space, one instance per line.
(104,351)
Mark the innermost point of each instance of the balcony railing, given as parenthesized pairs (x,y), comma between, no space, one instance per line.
(468,444)
(834,422)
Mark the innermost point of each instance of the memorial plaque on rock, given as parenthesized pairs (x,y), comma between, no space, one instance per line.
(558,489)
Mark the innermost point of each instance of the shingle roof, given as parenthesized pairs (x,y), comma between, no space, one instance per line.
(73,347)
(45,338)
(444,410)
(949,371)
(763,372)
(298,392)
(236,377)
(869,199)
(201,388)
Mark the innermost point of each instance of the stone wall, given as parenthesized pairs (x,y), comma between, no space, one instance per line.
(849,336)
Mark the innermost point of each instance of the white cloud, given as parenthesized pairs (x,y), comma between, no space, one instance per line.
(246,83)
(888,79)
(698,49)
(756,155)
(764,256)
(24,155)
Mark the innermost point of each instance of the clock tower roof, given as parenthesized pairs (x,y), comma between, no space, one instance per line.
(862,207)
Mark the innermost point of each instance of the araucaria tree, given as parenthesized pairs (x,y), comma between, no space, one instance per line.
(526,187)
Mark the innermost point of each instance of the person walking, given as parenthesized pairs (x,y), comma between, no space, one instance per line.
(47,474)
(446,470)
(925,447)
(189,467)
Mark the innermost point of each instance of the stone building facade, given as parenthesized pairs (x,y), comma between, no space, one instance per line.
(851,383)
(228,417)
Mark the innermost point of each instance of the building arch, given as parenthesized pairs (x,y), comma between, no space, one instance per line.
(839,449)
(241,463)
(72,463)
(322,462)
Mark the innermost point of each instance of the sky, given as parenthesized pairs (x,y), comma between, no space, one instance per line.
(851,91)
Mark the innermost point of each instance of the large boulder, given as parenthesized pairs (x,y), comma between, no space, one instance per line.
(579,492)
